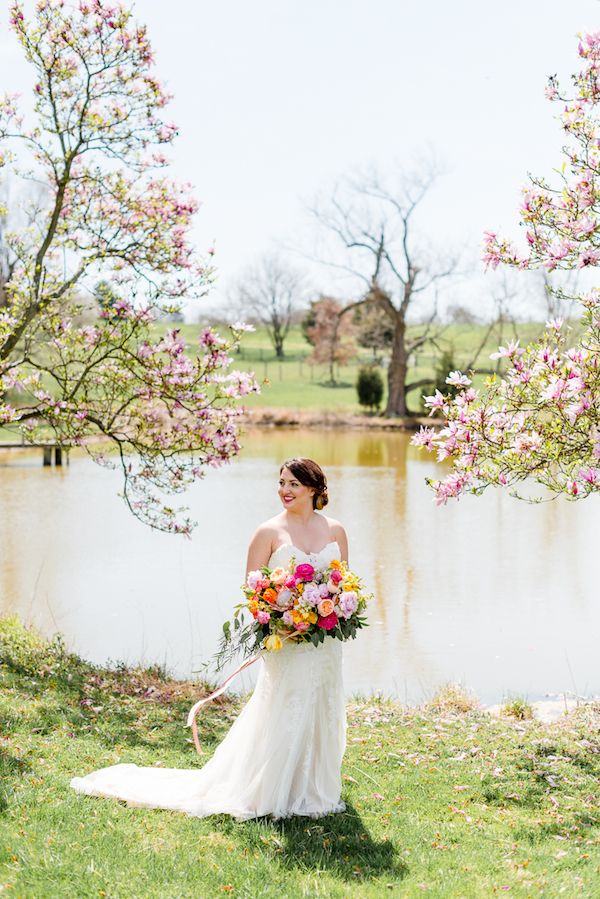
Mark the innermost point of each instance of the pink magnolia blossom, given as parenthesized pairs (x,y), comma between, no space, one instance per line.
(457,379)
(424,437)
(436,401)
(511,350)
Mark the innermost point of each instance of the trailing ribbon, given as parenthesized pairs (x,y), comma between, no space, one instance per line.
(191,719)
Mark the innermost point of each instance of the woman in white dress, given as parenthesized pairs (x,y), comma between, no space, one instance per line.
(283,754)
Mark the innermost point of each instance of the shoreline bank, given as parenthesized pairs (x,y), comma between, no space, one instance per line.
(25,651)
(275,417)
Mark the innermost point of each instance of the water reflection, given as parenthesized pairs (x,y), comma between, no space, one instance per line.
(489,591)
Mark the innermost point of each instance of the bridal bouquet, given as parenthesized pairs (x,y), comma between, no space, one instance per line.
(299,603)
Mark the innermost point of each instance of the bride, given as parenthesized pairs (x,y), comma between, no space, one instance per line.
(283,754)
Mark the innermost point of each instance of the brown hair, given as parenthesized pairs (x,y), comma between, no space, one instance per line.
(310,475)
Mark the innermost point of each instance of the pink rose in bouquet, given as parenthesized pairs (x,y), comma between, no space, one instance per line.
(304,572)
(263,617)
(336,576)
(333,587)
(329,622)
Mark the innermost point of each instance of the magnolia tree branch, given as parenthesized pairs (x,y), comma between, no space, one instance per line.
(96,143)
(541,422)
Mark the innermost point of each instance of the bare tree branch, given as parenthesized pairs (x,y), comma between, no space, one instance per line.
(374,222)
(271,291)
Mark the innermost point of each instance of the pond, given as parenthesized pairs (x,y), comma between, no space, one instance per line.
(497,594)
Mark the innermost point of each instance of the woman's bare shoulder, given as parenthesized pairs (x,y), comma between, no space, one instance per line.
(267,530)
(337,532)
(262,544)
(336,528)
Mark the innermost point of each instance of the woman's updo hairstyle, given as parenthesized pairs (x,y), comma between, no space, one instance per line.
(309,474)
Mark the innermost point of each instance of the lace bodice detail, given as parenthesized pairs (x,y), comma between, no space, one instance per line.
(287,551)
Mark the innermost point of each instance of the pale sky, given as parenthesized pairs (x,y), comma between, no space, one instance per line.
(276,99)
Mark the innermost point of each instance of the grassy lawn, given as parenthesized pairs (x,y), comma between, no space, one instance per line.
(296,384)
(441,801)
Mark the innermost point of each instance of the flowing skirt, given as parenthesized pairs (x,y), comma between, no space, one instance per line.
(281,757)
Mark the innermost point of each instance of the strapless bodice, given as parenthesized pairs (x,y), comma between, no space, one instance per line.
(287,551)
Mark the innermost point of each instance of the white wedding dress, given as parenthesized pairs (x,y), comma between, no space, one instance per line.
(282,755)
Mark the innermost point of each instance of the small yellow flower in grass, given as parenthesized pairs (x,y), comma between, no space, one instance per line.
(273,643)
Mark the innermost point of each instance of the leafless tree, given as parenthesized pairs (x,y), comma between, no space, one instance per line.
(560,290)
(373,220)
(503,321)
(270,292)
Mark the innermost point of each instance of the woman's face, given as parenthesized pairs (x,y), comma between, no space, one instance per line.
(292,493)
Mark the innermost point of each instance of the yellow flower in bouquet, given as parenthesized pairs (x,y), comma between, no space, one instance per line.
(273,643)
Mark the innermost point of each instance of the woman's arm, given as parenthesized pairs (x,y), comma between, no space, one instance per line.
(260,549)
(338,533)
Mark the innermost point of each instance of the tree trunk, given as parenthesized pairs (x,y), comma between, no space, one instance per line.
(278,344)
(397,372)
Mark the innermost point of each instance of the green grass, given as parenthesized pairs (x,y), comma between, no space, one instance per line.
(296,384)
(443,800)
